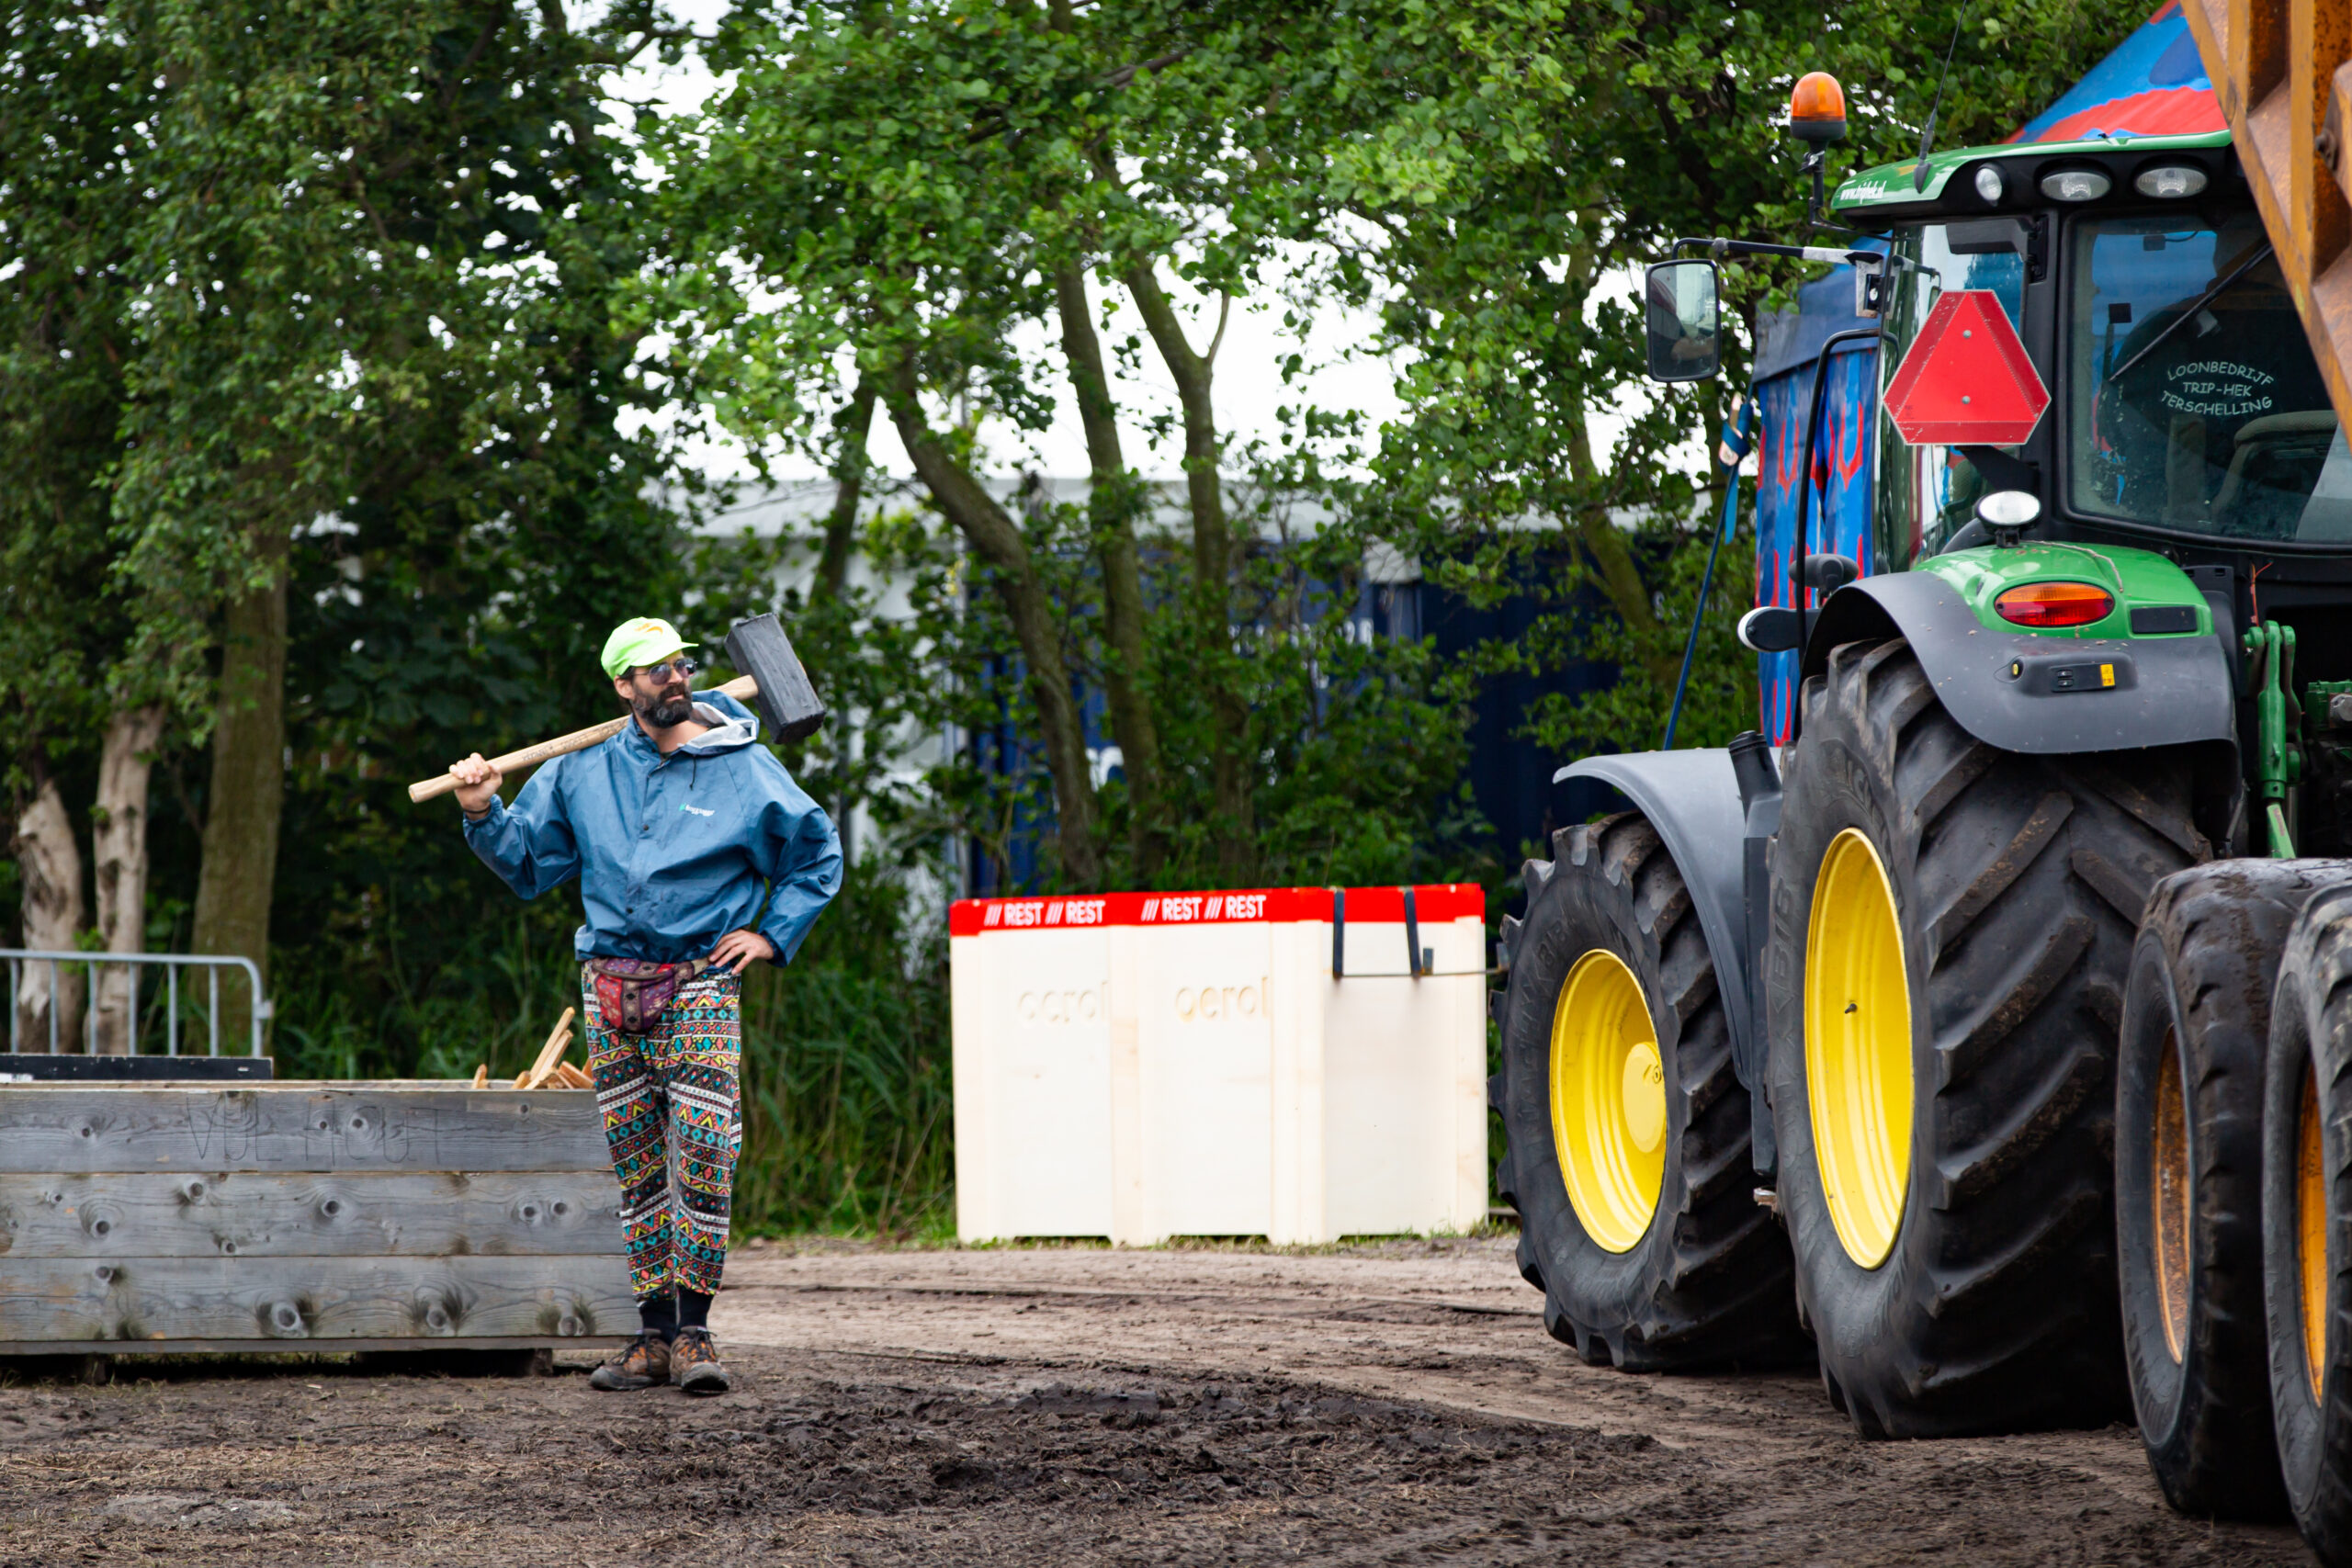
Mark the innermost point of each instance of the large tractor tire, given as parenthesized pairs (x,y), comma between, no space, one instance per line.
(1951,925)
(1628,1159)
(2306,1199)
(2188,1177)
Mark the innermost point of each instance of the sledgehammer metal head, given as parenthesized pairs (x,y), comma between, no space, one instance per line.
(788,705)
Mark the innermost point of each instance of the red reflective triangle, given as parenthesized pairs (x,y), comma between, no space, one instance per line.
(1966,380)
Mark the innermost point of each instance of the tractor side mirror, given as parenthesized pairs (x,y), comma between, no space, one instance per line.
(1685,320)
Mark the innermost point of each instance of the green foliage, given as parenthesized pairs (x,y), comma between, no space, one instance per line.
(1019,150)
(888,680)
(847,1120)
(1720,701)
(372,295)
(68,87)
(846,1070)
(492,527)
(1510,158)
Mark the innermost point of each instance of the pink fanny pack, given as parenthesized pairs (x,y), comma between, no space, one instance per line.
(633,993)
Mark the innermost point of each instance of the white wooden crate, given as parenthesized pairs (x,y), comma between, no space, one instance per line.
(1140,1066)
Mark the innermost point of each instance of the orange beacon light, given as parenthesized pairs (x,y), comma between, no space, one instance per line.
(1817,109)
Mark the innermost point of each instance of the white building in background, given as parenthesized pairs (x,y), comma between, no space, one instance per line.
(799,509)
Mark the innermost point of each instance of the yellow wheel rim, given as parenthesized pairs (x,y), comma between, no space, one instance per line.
(1858,1048)
(2310,1232)
(1608,1100)
(2168,1144)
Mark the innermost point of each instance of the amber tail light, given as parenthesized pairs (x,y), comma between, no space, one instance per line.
(2042,604)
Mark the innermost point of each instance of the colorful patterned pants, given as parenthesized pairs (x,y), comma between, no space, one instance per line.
(673,1121)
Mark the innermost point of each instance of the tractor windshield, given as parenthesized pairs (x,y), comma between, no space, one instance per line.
(2192,397)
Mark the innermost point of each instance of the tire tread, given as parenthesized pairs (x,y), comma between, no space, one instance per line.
(1720,1290)
(2026,875)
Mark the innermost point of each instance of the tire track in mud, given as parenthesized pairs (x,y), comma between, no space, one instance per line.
(1004,1408)
(1445,1324)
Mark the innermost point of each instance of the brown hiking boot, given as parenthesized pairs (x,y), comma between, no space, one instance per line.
(693,1363)
(643,1362)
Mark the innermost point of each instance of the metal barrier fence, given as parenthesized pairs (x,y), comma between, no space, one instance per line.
(17,957)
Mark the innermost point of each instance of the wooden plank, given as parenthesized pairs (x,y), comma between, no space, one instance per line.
(2339,129)
(309,1214)
(340,1348)
(76,1128)
(2318,32)
(2254,57)
(44,1068)
(296,1301)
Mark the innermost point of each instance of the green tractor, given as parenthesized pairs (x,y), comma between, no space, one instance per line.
(1980,1027)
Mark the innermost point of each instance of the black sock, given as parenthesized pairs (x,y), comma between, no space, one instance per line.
(693,1309)
(660,1315)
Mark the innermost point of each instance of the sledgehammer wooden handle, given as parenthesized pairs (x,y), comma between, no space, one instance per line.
(742,689)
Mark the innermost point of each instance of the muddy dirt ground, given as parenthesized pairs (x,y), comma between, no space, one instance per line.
(1388,1404)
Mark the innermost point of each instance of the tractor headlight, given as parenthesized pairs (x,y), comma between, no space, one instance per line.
(2076,185)
(1989,184)
(2169,182)
(2009,508)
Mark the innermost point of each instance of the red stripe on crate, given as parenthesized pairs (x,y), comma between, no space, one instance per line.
(1432,902)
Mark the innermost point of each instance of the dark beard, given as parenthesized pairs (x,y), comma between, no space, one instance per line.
(663,712)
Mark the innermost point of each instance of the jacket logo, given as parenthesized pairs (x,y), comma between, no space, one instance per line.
(695,809)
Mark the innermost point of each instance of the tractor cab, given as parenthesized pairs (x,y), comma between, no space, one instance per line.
(2188,419)
(2188,415)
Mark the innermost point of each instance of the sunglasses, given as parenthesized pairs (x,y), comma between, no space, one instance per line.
(684,666)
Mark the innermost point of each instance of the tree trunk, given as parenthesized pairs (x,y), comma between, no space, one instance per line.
(49,863)
(248,789)
(849,487)
(118,859)
(1113,497)
(1604,543)
(1232,759)
(832,578)
(1612,559)
(999,541)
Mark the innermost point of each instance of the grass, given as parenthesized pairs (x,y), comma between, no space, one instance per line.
(847,1125)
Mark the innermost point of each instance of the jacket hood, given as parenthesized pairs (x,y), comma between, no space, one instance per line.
(732,725)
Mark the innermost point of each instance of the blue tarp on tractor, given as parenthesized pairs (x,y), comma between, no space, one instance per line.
(1839,473)
(2154,84)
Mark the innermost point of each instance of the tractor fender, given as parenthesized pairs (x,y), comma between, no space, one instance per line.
(1693,799)
(2034,693)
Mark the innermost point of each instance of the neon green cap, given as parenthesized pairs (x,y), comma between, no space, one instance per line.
(647,641)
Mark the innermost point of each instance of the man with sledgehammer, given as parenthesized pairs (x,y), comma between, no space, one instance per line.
(680,828)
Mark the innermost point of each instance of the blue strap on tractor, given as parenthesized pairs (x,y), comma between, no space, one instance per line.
(1728,456)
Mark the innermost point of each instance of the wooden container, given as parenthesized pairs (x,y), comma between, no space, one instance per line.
(406,1216)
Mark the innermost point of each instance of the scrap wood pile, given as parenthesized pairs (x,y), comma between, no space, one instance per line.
(550,1071)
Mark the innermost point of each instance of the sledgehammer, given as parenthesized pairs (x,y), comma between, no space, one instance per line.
(773,681)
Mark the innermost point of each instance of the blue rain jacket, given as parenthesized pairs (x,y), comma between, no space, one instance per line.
(672,852)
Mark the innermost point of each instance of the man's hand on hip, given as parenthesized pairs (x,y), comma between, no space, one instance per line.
(736,950)
(478,783)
